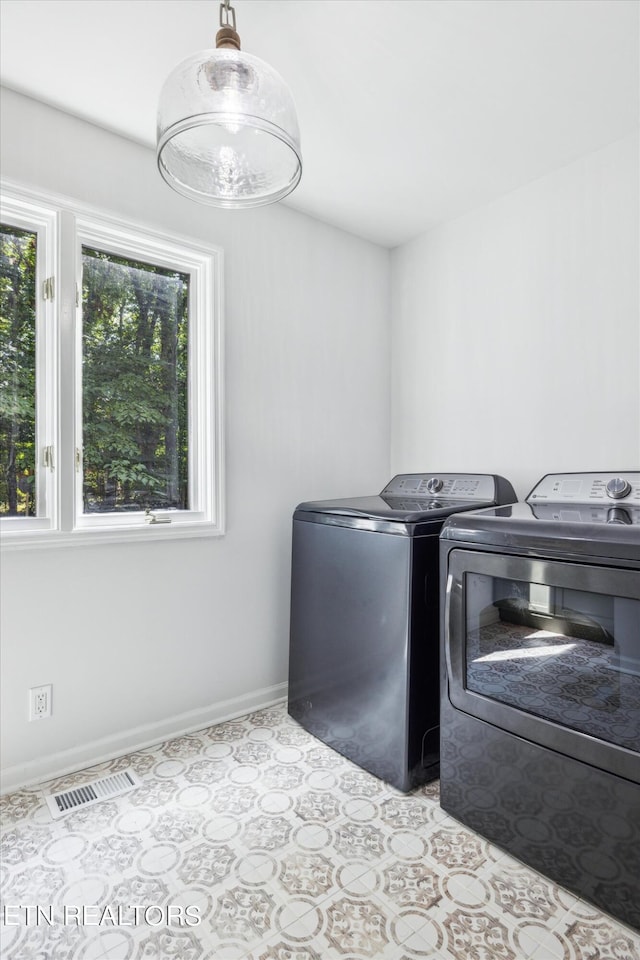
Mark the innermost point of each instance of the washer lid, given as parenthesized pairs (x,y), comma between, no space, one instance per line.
(399,509)
(412,499)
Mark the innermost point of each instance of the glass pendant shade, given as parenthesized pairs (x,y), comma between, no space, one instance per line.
(227,131)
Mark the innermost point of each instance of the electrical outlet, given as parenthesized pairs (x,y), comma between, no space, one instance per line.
(40,702)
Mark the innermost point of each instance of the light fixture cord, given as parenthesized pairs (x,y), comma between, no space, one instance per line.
(227,36)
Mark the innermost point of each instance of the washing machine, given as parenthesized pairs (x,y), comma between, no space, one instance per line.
(540,711)
(363,663)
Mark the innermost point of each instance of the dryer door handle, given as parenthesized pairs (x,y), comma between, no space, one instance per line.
(446,623)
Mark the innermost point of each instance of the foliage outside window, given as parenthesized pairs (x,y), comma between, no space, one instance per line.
(110,351)
(134,385)
(17,372)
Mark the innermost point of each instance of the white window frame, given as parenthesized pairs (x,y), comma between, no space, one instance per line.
(27,214)
(78,226)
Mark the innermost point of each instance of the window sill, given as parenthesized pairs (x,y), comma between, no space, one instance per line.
(143,533)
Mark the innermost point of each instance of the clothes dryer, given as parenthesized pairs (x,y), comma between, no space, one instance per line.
(363,662)
(540,713)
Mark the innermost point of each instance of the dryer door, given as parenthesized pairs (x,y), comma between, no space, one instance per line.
(549,651)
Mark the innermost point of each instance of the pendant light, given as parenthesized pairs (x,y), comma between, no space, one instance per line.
(227,127)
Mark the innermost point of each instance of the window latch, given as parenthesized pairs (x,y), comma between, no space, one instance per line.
(47,458)
(152,518)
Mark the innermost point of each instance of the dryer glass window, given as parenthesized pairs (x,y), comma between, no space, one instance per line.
(566,655)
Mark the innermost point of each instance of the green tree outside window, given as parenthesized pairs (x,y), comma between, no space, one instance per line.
(134,385)
(17,372)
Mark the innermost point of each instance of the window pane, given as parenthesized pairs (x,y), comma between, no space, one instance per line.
(134,376)
(17,372)
(569,656)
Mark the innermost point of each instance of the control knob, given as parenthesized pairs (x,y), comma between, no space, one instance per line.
(617,488)
(618,515)
(433,485)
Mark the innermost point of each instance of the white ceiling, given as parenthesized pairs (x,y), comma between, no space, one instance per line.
(411,111)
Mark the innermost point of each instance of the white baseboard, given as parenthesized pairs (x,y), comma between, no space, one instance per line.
(107,748)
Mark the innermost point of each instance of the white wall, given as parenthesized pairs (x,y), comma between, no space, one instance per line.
(515,349)
(140,640)
(516,331)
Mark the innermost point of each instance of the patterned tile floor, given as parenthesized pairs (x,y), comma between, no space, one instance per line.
(284,851)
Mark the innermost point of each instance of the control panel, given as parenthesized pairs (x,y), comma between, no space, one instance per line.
(445,486)
(628,515)
(604,490)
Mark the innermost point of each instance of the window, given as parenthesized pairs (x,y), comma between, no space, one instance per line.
(130,445)
(18,355)
(27,368)
(135,436)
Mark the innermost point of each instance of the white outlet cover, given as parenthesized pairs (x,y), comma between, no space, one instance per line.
(40,702)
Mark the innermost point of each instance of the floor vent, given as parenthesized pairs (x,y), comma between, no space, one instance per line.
(104,789)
